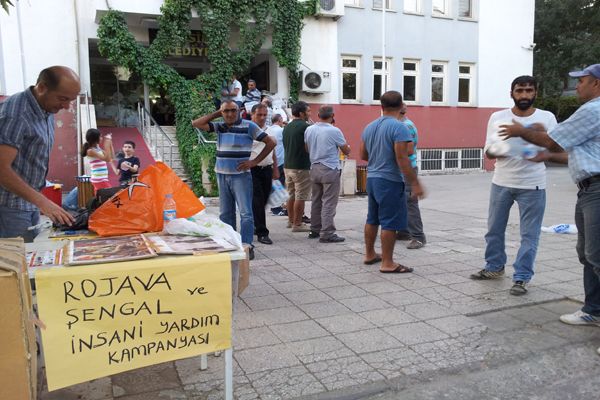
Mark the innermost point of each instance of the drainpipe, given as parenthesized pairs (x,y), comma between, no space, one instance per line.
(383,75)
(21,47)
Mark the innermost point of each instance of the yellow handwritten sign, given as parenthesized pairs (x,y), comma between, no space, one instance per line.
(109,318)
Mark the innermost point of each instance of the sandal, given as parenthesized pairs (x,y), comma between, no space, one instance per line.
(400,269)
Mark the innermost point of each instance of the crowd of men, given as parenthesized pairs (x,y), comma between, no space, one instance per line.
(253,153)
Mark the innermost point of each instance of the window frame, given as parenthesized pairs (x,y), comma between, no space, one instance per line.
(472,84)
(416,73)
(354,3)
(387,72)
(419,8)
(447,10)
(444,76)
(471,16)
(351,70)
(389,5)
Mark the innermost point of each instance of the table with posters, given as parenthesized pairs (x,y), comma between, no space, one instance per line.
(103,319)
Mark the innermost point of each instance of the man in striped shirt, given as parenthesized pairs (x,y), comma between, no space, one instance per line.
(234,145)
(26,139)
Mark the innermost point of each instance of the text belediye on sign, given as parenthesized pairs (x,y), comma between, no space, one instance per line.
(109,318)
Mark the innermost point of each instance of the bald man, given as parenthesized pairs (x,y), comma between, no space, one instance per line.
(26,139)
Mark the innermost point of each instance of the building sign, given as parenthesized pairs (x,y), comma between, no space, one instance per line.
(195,46)
(108,318)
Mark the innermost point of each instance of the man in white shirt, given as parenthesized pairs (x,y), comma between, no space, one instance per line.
(518,177)
(262,176)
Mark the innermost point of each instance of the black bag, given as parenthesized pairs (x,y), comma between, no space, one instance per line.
(81,221)
(102,195)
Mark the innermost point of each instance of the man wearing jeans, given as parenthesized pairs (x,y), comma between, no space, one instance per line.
(579,136)
(233,164)
(323,140)
(26,138)
(415,224)
(516,179)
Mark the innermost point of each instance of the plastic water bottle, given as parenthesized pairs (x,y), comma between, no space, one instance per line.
(169,208)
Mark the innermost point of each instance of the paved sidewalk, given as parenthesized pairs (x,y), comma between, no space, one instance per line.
(317,323)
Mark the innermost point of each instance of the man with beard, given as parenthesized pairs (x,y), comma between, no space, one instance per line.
(576,141)
(520,178)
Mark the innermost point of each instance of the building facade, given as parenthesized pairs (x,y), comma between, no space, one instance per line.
(453,60)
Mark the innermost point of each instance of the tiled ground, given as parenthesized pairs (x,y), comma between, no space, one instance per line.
(315,319)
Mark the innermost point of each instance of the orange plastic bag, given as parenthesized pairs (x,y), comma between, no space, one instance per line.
(138,208)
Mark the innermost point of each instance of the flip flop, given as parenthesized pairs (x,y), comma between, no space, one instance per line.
(400,269)
(373,261)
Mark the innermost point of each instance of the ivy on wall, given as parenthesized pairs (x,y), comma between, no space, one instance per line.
(219,18)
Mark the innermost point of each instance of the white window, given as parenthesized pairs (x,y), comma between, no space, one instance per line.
(381,78)
(439,82)
(449,159)
(377,4)
(354,3)
(440,8)
(412,6)
(350,73)
(410,81)
(465,8)
(466,84)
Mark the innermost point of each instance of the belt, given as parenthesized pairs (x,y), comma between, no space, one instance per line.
(585,183)
(264,166)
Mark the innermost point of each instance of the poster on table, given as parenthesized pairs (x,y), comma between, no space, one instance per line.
(108,318)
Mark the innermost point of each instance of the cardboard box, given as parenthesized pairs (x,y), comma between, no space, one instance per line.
(18,365)
(244,266)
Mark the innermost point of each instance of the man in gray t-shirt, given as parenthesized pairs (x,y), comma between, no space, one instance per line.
(322,142)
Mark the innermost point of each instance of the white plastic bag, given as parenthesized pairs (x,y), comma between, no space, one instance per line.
(560,228)
(278,194)
(204,224)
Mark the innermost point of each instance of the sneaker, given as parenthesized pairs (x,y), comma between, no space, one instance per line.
(332,239)
(485,274)
(283,213)
(305,219)
(276,210)
(518,288)
(251,253)
(415,244)
(313,235)
(401,235)
(289,224)
(301,228)
(580,318)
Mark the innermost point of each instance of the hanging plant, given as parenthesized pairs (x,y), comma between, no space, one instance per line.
(218,18)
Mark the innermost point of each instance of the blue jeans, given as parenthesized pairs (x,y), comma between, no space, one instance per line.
(237,189)
(532,203)
(15,223)
(587,219)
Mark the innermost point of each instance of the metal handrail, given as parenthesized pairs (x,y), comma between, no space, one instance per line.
(155,136)
(202,139)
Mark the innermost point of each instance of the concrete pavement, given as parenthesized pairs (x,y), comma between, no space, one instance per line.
(315,323)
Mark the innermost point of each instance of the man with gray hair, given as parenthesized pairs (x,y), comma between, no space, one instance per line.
(323,142)
(26,139)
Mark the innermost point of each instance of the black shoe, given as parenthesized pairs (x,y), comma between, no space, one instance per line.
(305,219)
(313,235)
(265,240)
(251,253)
(332,239)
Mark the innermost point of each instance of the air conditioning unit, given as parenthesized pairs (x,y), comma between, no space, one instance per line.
(330,8)
(316,81)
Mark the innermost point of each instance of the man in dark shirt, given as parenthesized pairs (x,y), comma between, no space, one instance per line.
(297,166)
(129,164)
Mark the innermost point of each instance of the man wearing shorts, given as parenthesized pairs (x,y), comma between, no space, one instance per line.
(384,145)
(297,166)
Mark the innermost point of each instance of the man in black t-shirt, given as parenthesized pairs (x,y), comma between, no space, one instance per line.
(297,166)
(129,164)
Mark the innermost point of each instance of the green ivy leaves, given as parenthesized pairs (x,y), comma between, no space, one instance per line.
(222,21)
